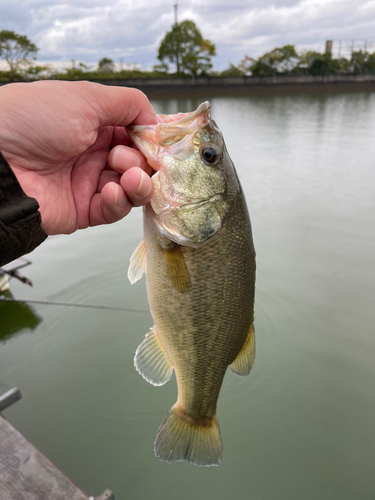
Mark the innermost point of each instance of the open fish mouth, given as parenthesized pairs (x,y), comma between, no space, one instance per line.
(173,134)
(186,151)
(183,118)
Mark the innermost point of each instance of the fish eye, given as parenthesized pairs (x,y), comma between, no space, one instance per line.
(210,155)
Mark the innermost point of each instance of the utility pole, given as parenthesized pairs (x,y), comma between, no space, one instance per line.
(175,13)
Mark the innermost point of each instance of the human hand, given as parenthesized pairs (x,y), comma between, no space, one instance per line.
(57,138)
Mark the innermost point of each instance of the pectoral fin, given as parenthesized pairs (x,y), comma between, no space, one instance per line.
(151,360)
(176,268)
(245,359)
(137,263)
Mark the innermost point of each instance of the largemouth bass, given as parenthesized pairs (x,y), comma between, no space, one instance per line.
(199,259)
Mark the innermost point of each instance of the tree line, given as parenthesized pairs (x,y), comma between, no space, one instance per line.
(183,51)
(286,61)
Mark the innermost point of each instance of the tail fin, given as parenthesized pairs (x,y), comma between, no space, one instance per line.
(179,439)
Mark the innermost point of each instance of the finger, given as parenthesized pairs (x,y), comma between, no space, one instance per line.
(122,158)
(106,177)
(120,106)
(109,206)
(120,137)
(137,186)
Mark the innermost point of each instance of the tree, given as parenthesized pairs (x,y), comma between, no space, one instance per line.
(361,62)
(232,71)
(370,63)
(76,72)
(160,68)
(358,61)
(106,65)
(185,47)
(246,64)
(38,72)
(281,60)
(17,50)
(315,63)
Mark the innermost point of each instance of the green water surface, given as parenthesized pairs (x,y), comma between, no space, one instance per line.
(302,426)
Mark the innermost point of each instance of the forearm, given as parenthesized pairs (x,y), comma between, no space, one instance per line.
(20,221)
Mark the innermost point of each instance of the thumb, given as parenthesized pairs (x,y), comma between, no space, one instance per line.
(121,106)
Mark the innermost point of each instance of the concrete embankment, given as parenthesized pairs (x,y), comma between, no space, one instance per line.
(246,85)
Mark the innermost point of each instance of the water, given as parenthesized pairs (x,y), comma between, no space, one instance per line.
(302,425)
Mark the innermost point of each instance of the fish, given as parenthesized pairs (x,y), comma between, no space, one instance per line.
(198,255)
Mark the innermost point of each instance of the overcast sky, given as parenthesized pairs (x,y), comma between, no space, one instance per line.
(130,31)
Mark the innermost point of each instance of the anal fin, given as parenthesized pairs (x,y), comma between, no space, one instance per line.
(245,359)
(137,263)
(151,360)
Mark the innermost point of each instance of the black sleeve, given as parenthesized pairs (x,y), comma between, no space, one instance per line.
(20,221)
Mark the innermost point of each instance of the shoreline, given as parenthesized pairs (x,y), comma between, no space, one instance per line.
(246,85)
(216,86)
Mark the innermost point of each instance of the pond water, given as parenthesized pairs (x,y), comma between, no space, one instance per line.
(301,426)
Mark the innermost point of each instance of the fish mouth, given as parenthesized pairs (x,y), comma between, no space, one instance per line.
(175,130)
(169,134)
(186,118)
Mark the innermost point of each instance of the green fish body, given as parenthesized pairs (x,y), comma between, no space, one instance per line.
(199,259)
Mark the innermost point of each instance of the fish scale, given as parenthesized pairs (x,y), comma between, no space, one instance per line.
(200,286)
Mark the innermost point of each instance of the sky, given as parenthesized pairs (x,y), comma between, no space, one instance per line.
(130,31)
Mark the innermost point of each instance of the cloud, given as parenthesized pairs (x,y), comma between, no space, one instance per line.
(131,31)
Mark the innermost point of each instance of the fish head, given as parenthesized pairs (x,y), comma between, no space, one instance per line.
(194,179)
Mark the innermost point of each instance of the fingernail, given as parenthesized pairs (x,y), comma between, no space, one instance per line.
(116,157)
(120,200)
(122,157)
(145,186)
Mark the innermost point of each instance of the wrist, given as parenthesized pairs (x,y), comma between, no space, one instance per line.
(20,221)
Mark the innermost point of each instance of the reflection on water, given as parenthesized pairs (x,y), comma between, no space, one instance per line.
(16,317)
(301,426)
(173,106)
